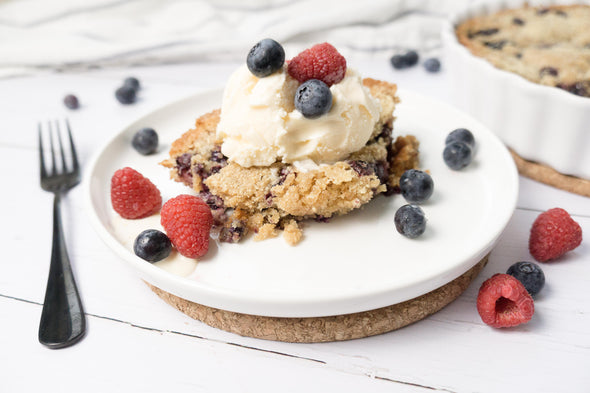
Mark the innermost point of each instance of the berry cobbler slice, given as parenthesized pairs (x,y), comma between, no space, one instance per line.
(265,199)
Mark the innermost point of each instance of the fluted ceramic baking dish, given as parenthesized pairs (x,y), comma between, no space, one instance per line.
(540,123)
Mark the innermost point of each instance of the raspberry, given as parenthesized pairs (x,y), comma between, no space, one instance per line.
(553,234)
(132,195)
(187,220)
(321,61)
(503,302)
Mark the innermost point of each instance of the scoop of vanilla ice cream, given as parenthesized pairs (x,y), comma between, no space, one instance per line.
(259,124)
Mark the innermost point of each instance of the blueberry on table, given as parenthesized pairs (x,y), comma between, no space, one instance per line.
(416,186)
(404,60)
(410,221)
(265,58)
(152,245)
(71,101)
(313,98)
(529,274)
(145,141)
(457,155)
(126,94)
(461,135)
(432,65)
(132,82)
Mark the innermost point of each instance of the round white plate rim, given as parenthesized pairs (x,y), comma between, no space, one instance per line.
(262,304)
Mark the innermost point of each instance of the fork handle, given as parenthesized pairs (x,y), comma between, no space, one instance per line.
(63,321)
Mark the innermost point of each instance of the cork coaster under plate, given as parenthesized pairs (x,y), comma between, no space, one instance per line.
(331,328)
(550,176)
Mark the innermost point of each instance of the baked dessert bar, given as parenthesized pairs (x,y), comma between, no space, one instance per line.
(546,45)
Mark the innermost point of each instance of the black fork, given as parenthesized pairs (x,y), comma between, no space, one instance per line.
(63,322)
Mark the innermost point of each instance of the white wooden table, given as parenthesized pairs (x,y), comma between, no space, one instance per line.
(136,342)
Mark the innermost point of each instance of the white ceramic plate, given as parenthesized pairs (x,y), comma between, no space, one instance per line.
(355,262)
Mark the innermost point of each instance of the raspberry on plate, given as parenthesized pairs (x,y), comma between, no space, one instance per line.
(503,302)
(553,234)
(132,195)
(187,220)
(321,61)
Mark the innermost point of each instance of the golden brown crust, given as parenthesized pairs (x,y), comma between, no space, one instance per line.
(546,45)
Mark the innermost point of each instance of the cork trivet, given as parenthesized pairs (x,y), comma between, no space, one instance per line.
(332,328)
(550,176)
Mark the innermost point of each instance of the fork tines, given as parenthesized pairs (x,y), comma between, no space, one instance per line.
(50,131)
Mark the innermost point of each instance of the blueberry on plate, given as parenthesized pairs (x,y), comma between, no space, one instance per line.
(457,155)
(461,135)
(265,58)
(313,98)
(132,82)
(71,102)
(410,221)
(529,274)
(432,65)
(145,141)
(126,94)
(404,60)
(152,245)
(416,186)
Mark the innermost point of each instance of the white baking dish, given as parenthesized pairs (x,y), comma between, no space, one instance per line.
(540,123)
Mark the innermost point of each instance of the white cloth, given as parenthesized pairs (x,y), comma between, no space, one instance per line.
(41,35)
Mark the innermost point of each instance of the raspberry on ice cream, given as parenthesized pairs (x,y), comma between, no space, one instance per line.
(321,61)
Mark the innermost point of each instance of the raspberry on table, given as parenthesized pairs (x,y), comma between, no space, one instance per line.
(554,233)
(321,61)
(503,301)
(132,195)
(187,220)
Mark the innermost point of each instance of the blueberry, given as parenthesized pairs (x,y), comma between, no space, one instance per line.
(145,141)
(410,221)
(416,186)
(71,101)
(404,60)
(126,94)
(132,82)
(432,65)
(529,274)
(313,98)
(457,155)
(461,135)
(152,245)
(266,57)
